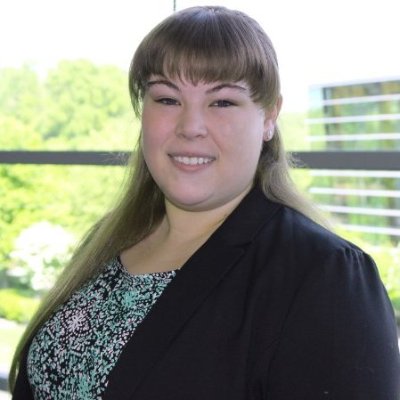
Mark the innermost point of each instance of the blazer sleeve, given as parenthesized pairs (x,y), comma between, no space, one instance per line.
(340,338)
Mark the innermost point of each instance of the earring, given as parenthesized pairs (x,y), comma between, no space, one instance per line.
(269,134)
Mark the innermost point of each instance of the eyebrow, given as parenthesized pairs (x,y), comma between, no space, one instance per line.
(162,82)
(227,85)
(211,90)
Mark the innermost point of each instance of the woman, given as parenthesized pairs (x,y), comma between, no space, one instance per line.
(210,279)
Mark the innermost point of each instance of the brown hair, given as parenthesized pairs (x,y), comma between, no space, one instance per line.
(208,44)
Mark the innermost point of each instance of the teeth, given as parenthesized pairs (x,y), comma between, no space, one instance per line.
(193,160)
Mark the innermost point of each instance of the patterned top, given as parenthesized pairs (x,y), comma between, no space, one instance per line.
(74,352)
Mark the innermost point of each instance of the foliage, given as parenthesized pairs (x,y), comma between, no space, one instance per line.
(21,95)
(17,305)
(73,197)
(77,105)
(39,253)
(82,97)
(74,101)
(16,134)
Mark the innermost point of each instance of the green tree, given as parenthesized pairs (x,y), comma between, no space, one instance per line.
(82,98)
(79,105)
(21,95)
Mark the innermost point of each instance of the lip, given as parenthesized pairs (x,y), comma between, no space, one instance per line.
(191,154)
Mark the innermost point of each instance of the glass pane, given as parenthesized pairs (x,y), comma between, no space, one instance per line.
(63,86)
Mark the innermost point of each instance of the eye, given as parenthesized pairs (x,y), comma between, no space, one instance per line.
(222,103)
(167,101)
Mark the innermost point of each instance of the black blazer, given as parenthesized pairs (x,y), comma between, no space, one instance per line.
(272,307)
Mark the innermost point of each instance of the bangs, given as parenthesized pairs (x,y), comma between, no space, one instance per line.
(207,45)
(203,64)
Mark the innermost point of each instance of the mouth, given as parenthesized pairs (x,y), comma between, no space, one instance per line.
(186,160)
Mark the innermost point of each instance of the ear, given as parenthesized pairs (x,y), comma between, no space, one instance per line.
(271,115)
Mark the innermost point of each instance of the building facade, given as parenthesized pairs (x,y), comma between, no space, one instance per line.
(358,116)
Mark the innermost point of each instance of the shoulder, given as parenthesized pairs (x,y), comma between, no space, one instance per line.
(328,270)
(301,253)
(280,240)
(289,229)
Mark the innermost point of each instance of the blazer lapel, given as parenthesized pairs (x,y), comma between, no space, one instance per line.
(187,291)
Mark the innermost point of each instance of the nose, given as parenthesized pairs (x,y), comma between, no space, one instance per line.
(191,123)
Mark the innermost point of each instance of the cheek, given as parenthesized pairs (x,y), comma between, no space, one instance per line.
(150,147)
(149,142)
(156,127)
(246,138)
(152,132)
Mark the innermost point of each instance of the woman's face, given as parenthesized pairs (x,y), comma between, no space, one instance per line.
(202,142)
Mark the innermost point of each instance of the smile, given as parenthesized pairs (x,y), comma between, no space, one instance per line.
(192,160)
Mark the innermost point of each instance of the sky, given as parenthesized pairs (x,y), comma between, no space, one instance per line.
(317,41)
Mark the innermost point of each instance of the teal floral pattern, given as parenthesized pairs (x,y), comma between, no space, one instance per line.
(74,352)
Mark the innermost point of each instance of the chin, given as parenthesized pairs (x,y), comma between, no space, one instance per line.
(199,203)
(190,203)
(195,198)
